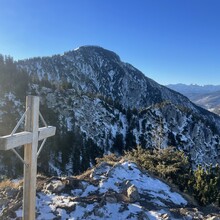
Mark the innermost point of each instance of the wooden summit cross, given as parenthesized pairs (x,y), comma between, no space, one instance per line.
(29,138)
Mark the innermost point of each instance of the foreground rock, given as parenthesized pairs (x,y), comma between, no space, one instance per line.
(120,191)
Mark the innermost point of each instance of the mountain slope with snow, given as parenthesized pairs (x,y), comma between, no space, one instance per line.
(95,70)
(100,104)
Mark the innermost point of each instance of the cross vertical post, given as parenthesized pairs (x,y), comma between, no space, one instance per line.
(30,158)
(29,138)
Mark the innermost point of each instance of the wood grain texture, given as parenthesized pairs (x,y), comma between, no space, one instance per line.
(18,139)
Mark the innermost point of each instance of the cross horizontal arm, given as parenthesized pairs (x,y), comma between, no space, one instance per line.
(11,141)
(46,132)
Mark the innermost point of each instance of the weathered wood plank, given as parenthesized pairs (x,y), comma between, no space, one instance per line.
(46,132)
(12,141)
(30,157)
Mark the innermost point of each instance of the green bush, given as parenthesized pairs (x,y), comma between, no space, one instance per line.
(173,166)
(207,185)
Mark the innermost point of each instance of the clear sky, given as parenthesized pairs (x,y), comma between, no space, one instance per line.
(170,41)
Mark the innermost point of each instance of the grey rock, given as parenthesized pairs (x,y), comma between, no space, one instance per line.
(133,194)
(11,192)
(111,199)
(102,169)
(98,213)
(213,218)
(55,186)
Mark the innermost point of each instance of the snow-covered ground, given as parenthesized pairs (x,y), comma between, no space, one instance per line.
(108,198)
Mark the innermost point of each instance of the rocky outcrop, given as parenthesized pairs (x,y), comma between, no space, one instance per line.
(113,191)
(133,194)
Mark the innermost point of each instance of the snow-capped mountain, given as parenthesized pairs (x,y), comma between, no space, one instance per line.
(95,70)
(207,96)
(99,104)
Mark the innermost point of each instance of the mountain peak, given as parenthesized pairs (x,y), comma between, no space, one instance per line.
(89,47)
(93,50)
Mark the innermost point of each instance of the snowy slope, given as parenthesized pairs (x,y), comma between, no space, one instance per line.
(113,191)
(163,124)
(91,69)
(99,104)
(121,191)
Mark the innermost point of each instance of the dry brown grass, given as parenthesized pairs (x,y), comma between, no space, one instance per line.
(111,159)
(11,184)
(85,175)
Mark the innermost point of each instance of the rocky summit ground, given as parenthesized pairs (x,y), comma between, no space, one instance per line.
(109,191)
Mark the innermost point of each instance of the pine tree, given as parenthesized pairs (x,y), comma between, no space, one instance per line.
(85,162)
(130,140)
(207,184)
(118,145)
(76,160)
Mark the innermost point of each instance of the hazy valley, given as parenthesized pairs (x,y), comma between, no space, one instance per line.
(207,96)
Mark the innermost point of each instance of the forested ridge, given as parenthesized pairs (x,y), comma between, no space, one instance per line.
(72,152)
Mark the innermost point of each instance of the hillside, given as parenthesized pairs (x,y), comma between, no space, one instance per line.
(100,104)
(95,70)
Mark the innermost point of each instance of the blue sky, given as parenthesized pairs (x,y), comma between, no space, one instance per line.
(170,41)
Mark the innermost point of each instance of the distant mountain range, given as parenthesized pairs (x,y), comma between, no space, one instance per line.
(100,104)
(207,96)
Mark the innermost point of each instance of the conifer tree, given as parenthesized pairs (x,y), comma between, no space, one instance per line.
(130,140)
(85,162)
(118,145)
